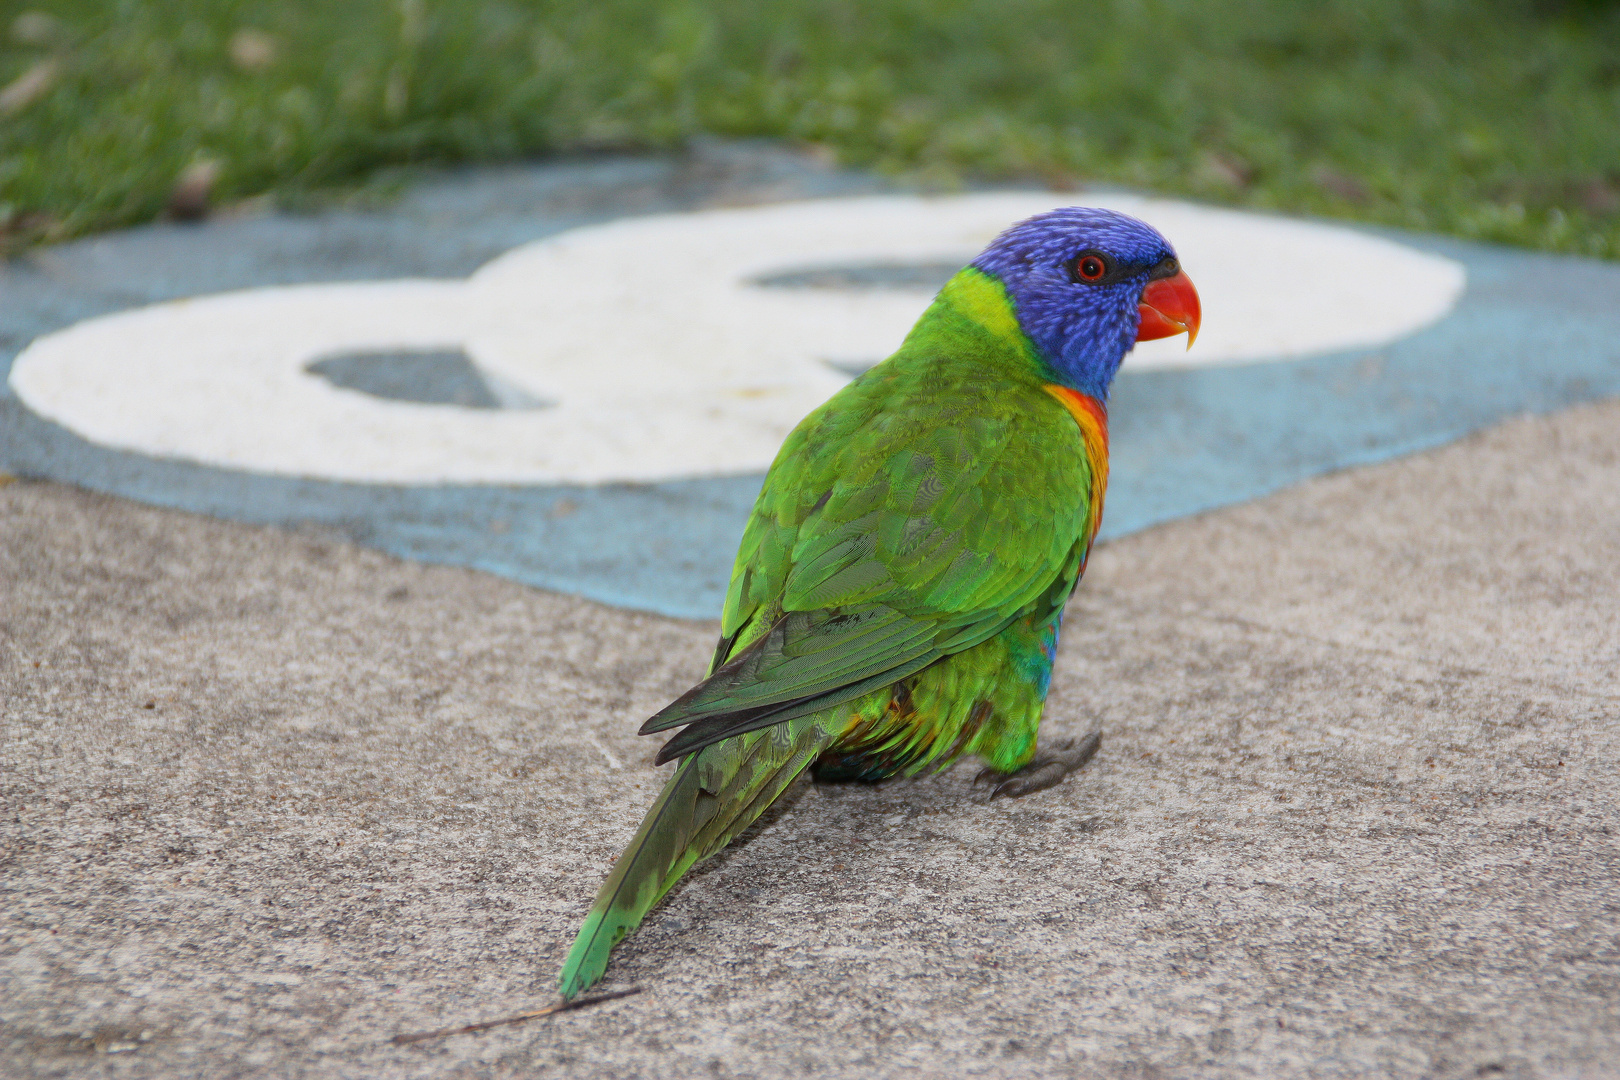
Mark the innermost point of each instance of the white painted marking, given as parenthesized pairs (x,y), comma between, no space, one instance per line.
(664,358)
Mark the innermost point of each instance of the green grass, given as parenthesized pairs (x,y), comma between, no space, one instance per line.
(1492,119)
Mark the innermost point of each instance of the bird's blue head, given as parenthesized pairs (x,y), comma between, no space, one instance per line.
(1086,285)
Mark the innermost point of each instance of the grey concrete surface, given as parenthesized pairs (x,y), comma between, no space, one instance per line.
(267,799)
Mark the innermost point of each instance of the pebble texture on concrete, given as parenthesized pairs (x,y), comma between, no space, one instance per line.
(267,799)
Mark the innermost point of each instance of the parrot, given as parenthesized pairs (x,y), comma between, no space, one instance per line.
(896,598)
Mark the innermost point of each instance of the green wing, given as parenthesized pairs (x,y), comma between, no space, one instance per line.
(912,516)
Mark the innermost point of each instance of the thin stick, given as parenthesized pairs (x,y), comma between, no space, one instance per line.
(554,1007)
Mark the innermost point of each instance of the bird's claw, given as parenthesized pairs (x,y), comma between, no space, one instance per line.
(1045,770)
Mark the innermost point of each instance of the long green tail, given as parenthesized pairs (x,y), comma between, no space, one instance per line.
(714,795)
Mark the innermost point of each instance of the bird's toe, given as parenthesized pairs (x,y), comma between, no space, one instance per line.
(1045,770)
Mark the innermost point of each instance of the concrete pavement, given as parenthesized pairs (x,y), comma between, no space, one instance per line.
(268,798)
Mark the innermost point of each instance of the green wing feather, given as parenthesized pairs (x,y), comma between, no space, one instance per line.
(899,525)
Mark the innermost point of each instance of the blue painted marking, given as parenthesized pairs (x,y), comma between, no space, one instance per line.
(1533,333)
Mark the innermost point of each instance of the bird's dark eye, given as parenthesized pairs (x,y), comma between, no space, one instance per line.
(1091,267)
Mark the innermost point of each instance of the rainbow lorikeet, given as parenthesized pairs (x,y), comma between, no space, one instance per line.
(896,600)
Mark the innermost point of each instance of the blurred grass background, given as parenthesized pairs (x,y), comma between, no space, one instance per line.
(1489,119)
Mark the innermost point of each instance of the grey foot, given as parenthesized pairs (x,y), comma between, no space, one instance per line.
(1047,768)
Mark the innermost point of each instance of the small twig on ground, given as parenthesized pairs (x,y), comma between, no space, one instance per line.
(554,1007)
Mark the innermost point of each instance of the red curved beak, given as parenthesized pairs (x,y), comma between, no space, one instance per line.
(1170,307)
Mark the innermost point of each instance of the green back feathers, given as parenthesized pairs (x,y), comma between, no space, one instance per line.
(913,516)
